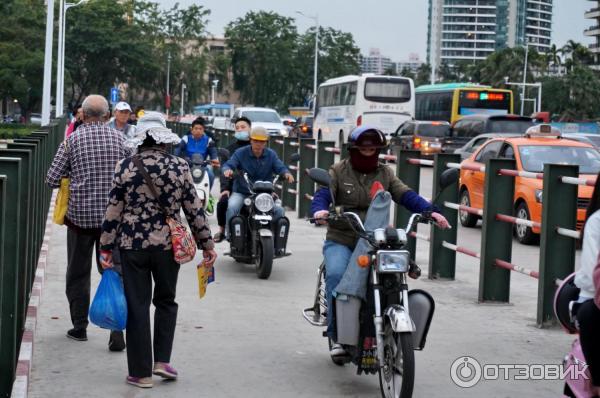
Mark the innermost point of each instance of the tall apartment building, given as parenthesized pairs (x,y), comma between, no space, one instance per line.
(594,31)
(412,64)
(375,62)
(473,29)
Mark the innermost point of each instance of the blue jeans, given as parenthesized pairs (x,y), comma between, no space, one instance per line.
(337,257)
(236,201)
(211,175)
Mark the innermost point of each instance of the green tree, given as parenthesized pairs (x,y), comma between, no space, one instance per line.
(338,56)
(261,45)
(576,54)
(423,75)
(406,72)
(22,52)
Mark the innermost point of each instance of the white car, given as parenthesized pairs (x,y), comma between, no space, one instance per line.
(265,117)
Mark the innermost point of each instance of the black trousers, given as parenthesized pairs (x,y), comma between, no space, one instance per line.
(139,269)
(589,332)
(80,248)
(222,211)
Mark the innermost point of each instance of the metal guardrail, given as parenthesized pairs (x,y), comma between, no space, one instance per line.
(558,227)
(24,203)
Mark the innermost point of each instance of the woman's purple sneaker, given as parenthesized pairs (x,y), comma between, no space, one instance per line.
(142,382)
(165,371)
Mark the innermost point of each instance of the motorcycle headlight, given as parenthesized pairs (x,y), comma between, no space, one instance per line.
(197,173)
(264,202)
(393,260)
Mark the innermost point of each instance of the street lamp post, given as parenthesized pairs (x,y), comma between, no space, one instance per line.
(524,79)
(48,64)
(168,97)
(215,83)
(316,19)
(60,62)
(183,87)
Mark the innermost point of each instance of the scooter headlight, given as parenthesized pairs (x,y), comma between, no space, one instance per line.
(393,260)
(264,202)
(197,173)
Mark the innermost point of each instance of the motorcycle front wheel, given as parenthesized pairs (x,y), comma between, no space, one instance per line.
(264,257)
(397,373)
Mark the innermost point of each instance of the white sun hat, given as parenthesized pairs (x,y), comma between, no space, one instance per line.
(152,124)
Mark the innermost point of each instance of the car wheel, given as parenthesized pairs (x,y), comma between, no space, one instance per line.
(523,233)
(466,219)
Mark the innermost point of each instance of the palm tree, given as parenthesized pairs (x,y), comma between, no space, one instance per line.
(576,53)
(553,57)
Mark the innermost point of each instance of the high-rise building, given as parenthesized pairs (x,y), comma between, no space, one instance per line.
(375,62)
(412,64)
(473,29)
(594,31)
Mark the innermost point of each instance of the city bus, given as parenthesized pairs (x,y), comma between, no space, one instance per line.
(344,103)
(452,101)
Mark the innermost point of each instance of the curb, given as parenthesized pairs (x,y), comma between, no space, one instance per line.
(21,383)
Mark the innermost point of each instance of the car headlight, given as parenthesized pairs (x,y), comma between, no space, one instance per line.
(538,195)
(264,202)
(393,260)
(197,173)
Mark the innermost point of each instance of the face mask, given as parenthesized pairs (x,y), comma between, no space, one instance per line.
(364,164)
(242,135)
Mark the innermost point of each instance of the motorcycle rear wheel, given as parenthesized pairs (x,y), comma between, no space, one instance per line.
(264,257)
(397,374)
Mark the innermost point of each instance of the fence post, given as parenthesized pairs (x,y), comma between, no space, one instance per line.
(278,148)
(305,184)
(288,199)
(410,174)
(27,258)
(442,262)
(10,167)
(325,159)
(496,236)
(557,252)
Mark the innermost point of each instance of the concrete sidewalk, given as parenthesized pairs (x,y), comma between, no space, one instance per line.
(246,337)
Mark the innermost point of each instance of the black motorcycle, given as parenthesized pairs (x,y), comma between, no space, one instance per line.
(254,237)
(381,333)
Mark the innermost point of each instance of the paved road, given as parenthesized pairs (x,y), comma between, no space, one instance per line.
(247,338)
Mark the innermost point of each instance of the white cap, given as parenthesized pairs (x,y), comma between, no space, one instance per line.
(122,106)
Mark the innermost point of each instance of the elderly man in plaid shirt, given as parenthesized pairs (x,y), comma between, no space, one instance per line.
(88,157)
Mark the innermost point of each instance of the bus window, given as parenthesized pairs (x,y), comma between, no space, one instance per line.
(386,90)
(352,93)
(343,94)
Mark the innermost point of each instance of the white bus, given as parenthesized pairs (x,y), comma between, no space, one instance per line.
(346,102)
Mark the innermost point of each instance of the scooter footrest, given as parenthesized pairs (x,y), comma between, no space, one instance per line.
(313,317)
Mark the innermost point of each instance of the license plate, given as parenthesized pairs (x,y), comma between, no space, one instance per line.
(435,145)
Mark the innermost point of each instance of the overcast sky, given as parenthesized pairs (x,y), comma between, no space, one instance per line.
(396,27)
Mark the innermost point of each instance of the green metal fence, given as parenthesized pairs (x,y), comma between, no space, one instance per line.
(24,204)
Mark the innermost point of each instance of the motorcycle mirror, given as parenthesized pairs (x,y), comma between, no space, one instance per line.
(448,178)
(319,176)
(224,154)
(294,157)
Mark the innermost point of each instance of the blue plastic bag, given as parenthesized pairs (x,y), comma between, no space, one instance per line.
(109,308)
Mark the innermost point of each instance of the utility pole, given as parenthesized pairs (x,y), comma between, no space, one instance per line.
(183,87)
(46,93)
(524,78)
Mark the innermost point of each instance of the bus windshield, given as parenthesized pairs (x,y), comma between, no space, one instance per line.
(472,102)
(387,90)
(533,157)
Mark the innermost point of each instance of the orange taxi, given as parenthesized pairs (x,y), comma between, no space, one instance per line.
(539,145)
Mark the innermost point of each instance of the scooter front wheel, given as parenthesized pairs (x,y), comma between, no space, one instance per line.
(264,257)
(397,373)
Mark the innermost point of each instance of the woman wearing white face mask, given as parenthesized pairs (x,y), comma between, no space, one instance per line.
(242,137)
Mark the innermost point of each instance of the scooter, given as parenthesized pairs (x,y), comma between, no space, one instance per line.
(381,333)
(578,381)
(202,182)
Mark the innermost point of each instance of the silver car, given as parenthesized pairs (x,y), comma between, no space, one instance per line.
(466,150)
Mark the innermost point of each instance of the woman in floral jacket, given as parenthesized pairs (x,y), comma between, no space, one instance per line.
(134,219)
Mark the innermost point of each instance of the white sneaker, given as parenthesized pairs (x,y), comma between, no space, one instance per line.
(337,350)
